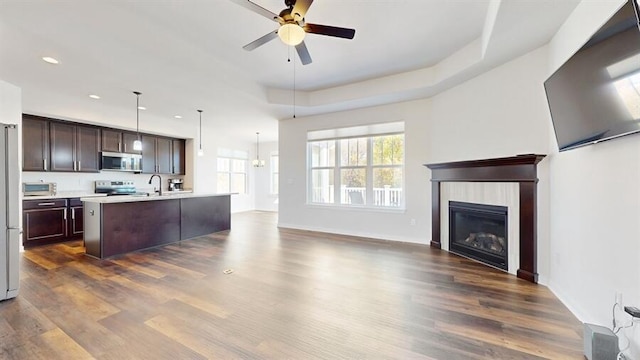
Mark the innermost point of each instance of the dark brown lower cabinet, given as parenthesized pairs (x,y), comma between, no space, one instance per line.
(76,218)
(52,220)
(44,221)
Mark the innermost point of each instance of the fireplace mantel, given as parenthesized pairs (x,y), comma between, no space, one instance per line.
(521,169)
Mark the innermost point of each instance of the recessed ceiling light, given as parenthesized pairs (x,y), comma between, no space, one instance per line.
(94,96)
(178,117)
(142,108)
(50,60)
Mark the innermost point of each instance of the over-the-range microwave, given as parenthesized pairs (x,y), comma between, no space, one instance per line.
(121,162)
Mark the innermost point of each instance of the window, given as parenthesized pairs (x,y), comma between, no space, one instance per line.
(275,174)
(357,170)
(232,171)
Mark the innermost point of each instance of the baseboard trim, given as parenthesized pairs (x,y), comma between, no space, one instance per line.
(384,237)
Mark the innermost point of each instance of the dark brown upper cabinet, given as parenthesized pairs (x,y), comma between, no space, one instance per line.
(58,145)
(178,161)
(118,141)
(74,148)
(156,155)
(35,140)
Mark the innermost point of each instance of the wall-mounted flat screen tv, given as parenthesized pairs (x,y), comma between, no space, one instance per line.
(595,95)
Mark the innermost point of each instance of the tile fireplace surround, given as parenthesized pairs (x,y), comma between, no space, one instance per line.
(521,169)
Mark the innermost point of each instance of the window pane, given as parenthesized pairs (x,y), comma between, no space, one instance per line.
(353,186)
(223,165)
(322,186)
(223,183)
(323,153)
(239,166)
(353,152)
(238,183)
(387,187)
(388,150)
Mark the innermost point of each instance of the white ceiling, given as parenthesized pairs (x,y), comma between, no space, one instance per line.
(187,54)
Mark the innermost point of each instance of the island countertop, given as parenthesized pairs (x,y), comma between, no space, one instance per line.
(138,198)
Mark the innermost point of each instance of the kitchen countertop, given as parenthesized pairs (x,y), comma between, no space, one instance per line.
(169,195)
(64,195)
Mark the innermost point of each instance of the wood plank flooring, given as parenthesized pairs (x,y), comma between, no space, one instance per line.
(291,295)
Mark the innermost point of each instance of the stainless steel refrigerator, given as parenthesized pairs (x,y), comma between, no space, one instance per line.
(9,212)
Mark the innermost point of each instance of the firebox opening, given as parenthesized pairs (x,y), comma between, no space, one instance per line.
(479,231)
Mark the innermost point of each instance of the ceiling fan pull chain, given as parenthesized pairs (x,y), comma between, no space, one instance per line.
(294,85)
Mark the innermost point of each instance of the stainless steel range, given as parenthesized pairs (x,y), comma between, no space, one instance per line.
(120,187)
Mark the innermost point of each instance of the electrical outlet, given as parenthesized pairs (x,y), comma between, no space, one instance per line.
(413,222)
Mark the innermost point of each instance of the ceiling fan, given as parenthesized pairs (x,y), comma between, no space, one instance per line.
(293,26)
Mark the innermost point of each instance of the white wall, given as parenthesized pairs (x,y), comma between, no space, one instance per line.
(393,225)
(500,113)
(206,166)
(595,205)
(264,200)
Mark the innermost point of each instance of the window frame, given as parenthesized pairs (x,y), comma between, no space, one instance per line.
(231,156)
(369,201)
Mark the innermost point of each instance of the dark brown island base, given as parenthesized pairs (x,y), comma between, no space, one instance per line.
(120,224)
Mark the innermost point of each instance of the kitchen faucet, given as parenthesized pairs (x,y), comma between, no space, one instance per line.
(159,185)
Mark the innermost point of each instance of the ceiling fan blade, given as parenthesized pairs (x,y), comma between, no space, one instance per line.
(330,31)
(261,41)
(303,53)
(257,9)
(300,9)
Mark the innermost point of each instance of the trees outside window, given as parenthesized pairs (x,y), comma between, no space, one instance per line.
(365,171)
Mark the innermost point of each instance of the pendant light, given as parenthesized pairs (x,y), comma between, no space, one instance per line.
(257,162)
(137,144)
(200,152)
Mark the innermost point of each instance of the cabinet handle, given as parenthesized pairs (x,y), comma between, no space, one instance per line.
(74,166)
(46,204)
(73,213)
(79,166)
(65,214)
(44,164)
(125,147)
(119,146)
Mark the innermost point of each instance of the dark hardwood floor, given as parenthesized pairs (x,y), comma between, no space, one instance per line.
(291,295)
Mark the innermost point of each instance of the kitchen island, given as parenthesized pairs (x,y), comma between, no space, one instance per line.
(117,225)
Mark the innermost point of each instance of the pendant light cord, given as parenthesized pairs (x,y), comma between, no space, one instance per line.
(137,113)
(258,147)
(200,111)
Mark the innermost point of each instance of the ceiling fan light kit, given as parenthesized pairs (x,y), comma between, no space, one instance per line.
(291,34)
(292,28)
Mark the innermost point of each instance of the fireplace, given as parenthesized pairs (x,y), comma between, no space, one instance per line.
(520,169)
(479,231)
